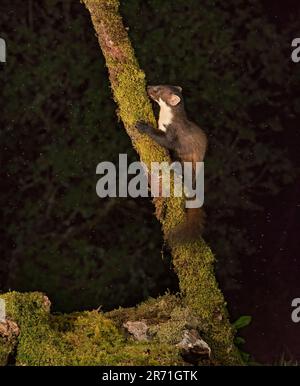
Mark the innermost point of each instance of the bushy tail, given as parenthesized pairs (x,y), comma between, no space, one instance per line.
(191,228)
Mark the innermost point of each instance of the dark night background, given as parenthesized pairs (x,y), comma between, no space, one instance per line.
(58,122)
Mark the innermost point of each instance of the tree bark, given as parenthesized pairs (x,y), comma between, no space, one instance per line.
(193,261)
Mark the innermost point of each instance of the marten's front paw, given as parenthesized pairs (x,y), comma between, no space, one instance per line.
(142,126)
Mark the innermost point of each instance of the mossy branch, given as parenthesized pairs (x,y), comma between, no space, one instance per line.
(193,261)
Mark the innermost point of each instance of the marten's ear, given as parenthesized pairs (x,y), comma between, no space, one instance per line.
(179,88)
(174,100)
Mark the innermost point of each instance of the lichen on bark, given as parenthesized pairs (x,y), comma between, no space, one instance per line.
(193,261)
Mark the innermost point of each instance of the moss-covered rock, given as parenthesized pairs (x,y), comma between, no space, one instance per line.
(39,338)
(85,338)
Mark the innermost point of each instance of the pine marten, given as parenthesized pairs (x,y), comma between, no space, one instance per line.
(185,140)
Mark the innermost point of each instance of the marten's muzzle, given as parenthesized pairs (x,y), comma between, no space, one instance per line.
(153,92)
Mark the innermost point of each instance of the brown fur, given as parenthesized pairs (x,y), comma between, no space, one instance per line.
(186,142)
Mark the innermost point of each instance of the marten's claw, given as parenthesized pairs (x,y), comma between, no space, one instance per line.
(142,126)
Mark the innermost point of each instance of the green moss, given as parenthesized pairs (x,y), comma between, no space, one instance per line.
(7,346)
(167,318)
(87,338)
(180,319)
(194,266)
(153,310)
(93,338)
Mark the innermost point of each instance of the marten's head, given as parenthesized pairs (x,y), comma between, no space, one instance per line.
(171,95)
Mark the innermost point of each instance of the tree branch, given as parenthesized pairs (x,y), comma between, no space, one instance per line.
(193,261)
